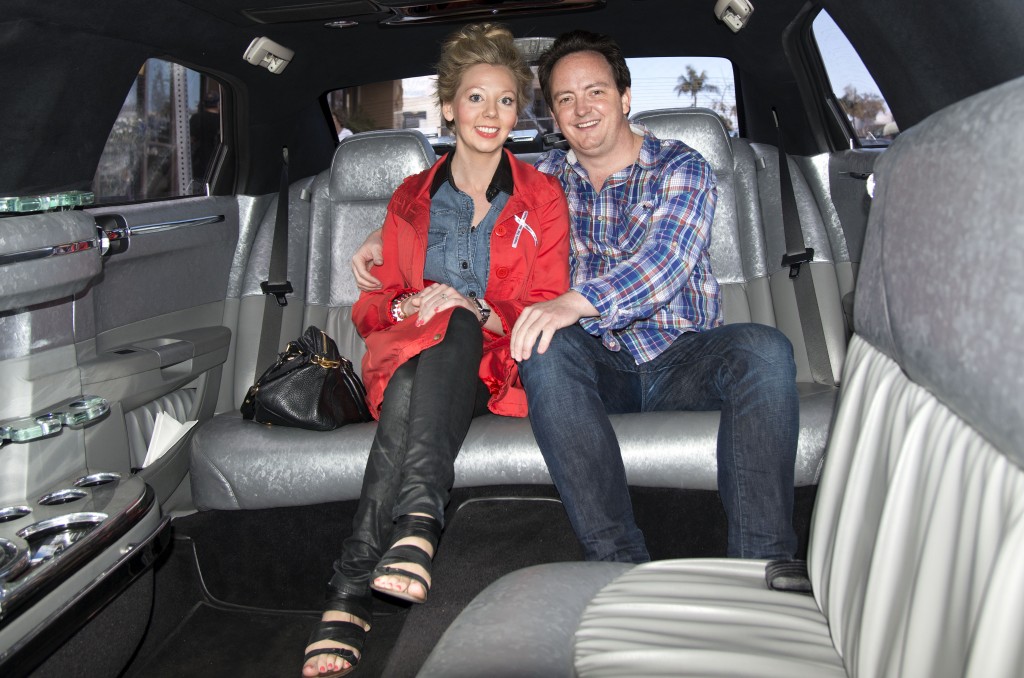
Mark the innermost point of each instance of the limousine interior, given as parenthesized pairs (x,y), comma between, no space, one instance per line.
(870,193)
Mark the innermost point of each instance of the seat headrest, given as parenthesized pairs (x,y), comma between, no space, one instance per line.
(371,165)
(699,128)
(941,284)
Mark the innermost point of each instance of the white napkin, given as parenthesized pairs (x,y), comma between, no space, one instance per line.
(166,432)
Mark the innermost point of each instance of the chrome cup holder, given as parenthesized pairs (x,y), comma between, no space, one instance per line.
(62,497)
(97,479)
(49,538)
(13,559)
(9,513)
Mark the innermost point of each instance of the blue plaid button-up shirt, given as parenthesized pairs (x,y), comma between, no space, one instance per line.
(640,245)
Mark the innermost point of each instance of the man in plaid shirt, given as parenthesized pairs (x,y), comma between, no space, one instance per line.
(641,327)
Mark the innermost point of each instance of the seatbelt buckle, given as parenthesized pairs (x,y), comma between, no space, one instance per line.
(788,575)
(794,261)
(279,290)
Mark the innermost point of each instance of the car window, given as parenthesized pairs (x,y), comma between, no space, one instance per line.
(166,139)
(680,82)
(658,82)
(853,87)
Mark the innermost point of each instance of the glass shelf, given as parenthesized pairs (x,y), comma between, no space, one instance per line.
(46,203)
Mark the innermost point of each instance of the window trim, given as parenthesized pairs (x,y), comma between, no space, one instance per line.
(812,80)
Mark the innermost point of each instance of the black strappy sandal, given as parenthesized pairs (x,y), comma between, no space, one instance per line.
(348,633)
(423,527)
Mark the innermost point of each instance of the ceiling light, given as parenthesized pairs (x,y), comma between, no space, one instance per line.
(268,54)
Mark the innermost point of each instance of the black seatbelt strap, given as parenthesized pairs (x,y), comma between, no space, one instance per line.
(798,254)
(277,286)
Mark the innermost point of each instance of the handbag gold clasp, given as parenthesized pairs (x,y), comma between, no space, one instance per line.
(325,362)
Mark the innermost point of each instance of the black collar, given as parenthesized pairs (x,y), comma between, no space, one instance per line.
(500,182)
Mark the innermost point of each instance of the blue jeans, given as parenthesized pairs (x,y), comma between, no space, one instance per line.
(745,370)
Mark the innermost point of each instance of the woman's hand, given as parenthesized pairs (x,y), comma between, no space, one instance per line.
(434,299)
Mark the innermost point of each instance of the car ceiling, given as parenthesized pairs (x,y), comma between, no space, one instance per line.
(70,63)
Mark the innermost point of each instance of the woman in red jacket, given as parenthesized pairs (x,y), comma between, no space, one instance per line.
(468,244)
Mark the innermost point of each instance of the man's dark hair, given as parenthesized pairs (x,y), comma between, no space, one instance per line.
(582,41)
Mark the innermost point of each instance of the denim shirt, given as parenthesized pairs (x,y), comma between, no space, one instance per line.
(458,254)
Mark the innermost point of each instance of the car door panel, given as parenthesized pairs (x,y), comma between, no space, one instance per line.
(68,533)
(178,257)
(45,259)
(156,316)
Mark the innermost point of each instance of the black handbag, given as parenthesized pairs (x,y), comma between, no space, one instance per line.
(310,385)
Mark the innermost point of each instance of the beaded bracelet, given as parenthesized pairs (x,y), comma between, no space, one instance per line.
(396,307)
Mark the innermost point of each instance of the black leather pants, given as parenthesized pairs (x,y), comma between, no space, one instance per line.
(428,406)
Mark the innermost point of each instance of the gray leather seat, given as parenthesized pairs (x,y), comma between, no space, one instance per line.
(236,464)
(748,239)
(239,464)
(918,530)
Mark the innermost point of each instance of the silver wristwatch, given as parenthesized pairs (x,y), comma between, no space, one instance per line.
(485,311)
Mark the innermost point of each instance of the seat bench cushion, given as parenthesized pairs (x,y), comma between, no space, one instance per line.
(238,464)
(711,617)
(702,618)
(522,625)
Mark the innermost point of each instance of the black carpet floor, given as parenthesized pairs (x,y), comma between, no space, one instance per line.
(194,634)
(240,590)
(485,539)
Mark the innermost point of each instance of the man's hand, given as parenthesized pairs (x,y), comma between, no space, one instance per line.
(540,321)
(369,254)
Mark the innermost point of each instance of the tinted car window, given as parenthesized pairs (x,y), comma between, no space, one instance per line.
(658,82)
(853,87)
(165,140)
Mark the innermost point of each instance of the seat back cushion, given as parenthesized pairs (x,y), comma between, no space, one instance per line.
(822,268)
(737,238)
(347,204)
(245,299)
(918,533)
(747,235)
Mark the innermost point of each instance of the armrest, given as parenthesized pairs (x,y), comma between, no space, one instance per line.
(137,372)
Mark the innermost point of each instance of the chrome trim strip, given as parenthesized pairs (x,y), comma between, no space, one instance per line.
(45,252)
(170,225)
(416,13)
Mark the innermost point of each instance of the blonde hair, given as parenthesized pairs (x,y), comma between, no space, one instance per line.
(475,44)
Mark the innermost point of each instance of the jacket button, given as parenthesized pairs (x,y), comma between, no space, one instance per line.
(499,231)
(502,272)
(437,337)
(465,265)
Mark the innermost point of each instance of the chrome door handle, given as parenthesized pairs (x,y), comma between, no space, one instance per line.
(116,233)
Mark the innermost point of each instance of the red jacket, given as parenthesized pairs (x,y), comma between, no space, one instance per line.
(520,275)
